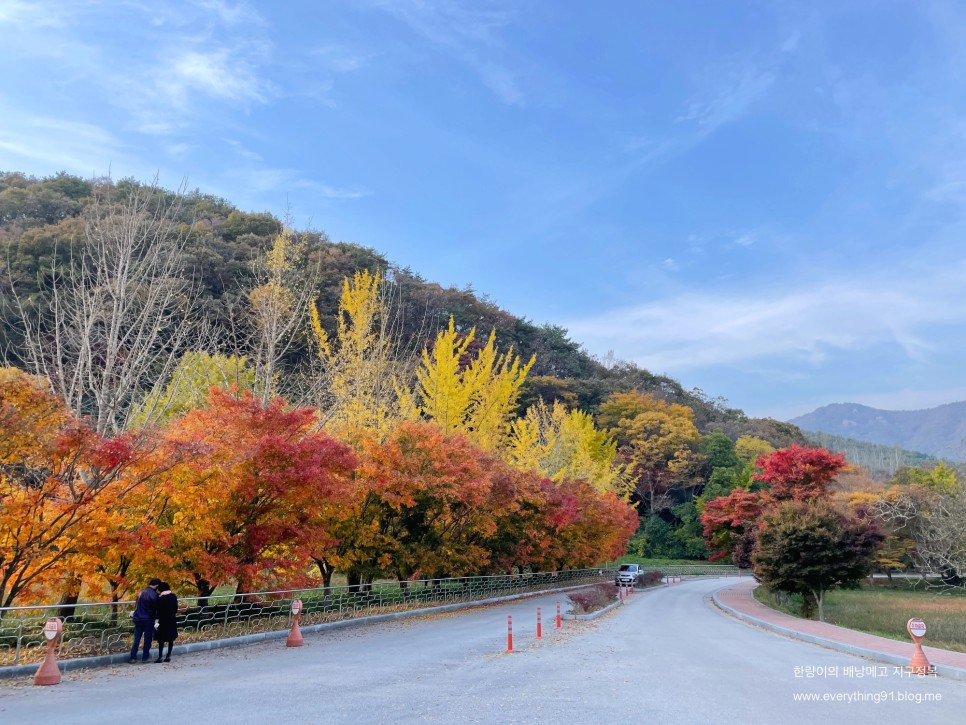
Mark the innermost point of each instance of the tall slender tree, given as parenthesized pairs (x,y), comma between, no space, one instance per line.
(118,316)
(363,371)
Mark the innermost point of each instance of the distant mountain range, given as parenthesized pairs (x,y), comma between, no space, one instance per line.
(940,432)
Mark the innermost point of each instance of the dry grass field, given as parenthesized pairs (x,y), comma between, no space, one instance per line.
(884,611)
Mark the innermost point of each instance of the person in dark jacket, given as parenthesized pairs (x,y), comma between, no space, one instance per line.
(144,615)
(167,610)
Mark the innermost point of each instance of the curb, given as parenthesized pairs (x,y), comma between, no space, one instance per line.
(593,615)
(78,663)
(618,603)
(953,673)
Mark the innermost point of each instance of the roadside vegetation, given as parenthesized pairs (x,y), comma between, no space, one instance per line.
(884,611)
(592,599)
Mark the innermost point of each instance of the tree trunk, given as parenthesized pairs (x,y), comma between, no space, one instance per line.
(326,571)
(819,597)
(205,590)
(72,588)
(809,603)
(115,598)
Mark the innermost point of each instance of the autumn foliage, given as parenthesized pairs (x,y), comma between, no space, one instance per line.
(59,484)
(789,531)
(798,473)
(258,496)
(729,524)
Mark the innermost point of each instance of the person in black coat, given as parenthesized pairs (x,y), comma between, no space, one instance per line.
(144,616)
(167,629)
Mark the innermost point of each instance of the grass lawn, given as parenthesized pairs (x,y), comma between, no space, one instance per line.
(631,559)
(884,611)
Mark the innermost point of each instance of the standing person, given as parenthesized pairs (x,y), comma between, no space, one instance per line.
(144,616)
(167,631)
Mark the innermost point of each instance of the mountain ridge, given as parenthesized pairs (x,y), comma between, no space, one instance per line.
(939,431)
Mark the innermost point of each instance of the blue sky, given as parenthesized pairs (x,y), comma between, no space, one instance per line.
(762,199)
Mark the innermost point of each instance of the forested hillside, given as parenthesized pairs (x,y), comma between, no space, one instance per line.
(200,391)
(43,221)
(881,461)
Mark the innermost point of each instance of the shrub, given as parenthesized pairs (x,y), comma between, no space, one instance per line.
(590,600)
(649,578)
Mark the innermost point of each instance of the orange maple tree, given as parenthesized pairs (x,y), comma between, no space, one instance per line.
(426,511)
(245,508)
(57,479)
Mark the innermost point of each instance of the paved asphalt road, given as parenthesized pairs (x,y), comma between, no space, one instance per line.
(668,656)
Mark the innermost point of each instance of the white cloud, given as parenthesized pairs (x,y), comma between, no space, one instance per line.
(908,399)
(165,62)
(218,74)
(31,15)
(340,58)
(694,330)
(501,81)
(257,180)
(231,14)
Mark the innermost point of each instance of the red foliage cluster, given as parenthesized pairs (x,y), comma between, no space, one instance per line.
(795,473)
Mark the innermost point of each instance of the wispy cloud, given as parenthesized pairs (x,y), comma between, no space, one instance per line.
(693,330)
(58,143)
(729,99)
(259,180)
(720,97)
(187,55)
(910,399)
(30,14)
(220,73)
(468,33)
(231,14)
(338,58)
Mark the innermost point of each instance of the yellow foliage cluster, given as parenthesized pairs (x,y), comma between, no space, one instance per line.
(475,398)
(560,443)
(363,378)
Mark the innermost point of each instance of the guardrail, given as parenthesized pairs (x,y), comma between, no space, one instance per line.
(102,628)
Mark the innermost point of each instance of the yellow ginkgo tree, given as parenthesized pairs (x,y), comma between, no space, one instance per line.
(277,305)
(466,392)
(565,444)
(362,372)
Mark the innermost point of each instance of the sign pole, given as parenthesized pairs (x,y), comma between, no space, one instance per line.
(49,671)
(295,635)
(917,630)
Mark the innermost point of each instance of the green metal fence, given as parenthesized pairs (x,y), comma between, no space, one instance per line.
(103,628)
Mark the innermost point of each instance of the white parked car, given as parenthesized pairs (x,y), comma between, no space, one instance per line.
(627,575)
